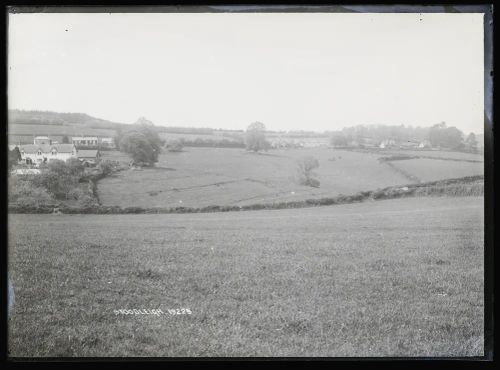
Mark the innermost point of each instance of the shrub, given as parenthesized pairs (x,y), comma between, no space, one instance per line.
(72,167)
(107,167)
(26,194)
(174,145)
(76,193)
(59,185)
(305,171)
(87,200)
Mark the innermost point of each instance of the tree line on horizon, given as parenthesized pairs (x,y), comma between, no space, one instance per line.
(438,136)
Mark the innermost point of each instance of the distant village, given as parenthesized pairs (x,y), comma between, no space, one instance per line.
(41,137)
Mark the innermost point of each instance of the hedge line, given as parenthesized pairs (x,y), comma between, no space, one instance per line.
(465,186)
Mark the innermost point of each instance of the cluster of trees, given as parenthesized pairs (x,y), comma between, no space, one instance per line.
(442,136)
(58,180)
(439,136)
(377,133)
(141,142)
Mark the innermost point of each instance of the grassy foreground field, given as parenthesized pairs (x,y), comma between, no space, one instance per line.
(386,278)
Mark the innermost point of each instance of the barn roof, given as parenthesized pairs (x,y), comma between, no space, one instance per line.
(83,153)
(33,148)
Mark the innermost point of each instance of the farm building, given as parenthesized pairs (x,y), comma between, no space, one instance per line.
(409,144)
(88,157)
(90,141)
(424,144)
(42,140)
(387,143)
(107,142)
(34,154)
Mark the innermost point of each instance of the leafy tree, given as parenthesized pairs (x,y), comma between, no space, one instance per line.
(139,148)
(65,139)
(174,145)
(339,139)
(118,136)
(151,134)
(14,157)
(255,137)
(144,121)
(305,171)
(446,137)
(141,142)
(471,143)
(454,138)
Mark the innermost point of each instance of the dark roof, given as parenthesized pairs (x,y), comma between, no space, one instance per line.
(46,148)
(84,153)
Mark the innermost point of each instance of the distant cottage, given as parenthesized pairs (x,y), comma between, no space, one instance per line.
(43,150)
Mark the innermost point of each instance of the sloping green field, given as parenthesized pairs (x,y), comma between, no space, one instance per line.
(199,177)
(385,278)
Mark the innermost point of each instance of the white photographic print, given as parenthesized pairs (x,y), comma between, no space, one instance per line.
(246,184)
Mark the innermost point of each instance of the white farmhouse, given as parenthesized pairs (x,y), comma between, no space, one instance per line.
(35,154)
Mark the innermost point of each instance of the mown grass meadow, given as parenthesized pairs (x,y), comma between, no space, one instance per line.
(387,278)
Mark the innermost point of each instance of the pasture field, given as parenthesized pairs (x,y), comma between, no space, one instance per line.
(385,278)
(426,169)
(199,177)
(438,154)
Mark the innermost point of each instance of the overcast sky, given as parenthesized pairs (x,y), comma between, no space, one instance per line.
(290,71)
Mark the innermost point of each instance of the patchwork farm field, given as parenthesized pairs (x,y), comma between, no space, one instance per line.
(199,177)
(385,278)
(438,154)
(426,169)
